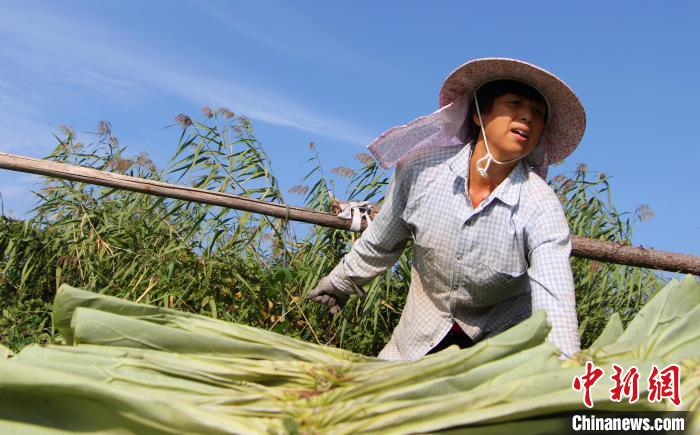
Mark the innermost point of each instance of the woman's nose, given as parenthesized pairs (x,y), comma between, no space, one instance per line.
(525,115)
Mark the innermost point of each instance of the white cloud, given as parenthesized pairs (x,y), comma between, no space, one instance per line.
(59,55)
(22,129)
(15,192)
(282,27)
(263,106)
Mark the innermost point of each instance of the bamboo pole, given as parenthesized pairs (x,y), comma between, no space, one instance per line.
(158,188)
(599,250)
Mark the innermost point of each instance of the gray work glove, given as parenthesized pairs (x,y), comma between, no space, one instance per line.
(329,296)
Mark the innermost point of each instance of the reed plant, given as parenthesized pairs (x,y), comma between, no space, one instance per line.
(240,267)
(603,288)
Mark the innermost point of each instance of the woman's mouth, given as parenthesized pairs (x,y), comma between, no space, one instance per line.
(520,133)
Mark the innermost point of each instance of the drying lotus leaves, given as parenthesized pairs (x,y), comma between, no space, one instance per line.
(132,368)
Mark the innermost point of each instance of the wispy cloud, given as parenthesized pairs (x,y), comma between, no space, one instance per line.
(53,56)
(281,26)
(22,127)
(263,106)
(15,195)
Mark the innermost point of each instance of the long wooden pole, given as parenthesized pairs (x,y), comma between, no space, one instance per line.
(581,247)
(158,188)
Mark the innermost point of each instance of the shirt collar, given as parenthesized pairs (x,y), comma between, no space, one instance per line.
(459,164)
(508,191)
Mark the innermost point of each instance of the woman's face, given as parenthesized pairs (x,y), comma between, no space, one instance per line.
(513,126)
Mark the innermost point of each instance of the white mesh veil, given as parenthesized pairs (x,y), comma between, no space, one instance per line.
(444,127)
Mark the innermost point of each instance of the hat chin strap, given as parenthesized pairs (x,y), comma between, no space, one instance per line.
(488,158)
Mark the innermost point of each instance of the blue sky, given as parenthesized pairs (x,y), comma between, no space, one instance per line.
(339,74)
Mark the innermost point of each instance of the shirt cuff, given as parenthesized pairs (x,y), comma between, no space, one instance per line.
(340,280)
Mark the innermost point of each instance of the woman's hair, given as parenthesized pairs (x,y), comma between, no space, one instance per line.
(494,89)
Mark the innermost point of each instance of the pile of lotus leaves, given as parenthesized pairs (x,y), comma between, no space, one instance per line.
(134,368)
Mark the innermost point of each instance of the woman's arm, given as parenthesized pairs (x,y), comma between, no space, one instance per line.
(381,244)
(551,280)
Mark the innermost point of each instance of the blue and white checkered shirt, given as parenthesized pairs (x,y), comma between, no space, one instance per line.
(485,268)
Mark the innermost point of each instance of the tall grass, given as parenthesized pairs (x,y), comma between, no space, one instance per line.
(603,288)
(235,265)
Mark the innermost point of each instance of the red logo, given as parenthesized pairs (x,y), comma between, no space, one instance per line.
(662,384)
(665,384)
(587,381)
(627,385)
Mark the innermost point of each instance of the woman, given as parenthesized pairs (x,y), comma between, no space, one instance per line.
(491,242)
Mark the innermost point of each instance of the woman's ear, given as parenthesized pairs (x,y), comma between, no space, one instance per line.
(475,118)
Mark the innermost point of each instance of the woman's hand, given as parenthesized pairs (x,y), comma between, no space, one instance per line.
(329,296)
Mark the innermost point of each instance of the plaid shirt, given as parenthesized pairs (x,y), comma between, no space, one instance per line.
(485,268)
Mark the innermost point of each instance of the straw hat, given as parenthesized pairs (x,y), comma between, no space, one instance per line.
(566,120)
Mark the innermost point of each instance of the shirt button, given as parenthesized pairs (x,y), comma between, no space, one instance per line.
(459,257)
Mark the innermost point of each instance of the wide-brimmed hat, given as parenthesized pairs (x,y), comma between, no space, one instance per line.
(566,120)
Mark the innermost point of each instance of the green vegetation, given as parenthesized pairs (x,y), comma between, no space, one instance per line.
(236,266)
(138,368)
(602,288)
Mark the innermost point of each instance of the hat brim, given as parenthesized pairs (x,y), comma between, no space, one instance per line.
(566,119)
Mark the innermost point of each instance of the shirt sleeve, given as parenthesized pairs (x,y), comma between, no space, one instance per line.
(551,279)
(381,244)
